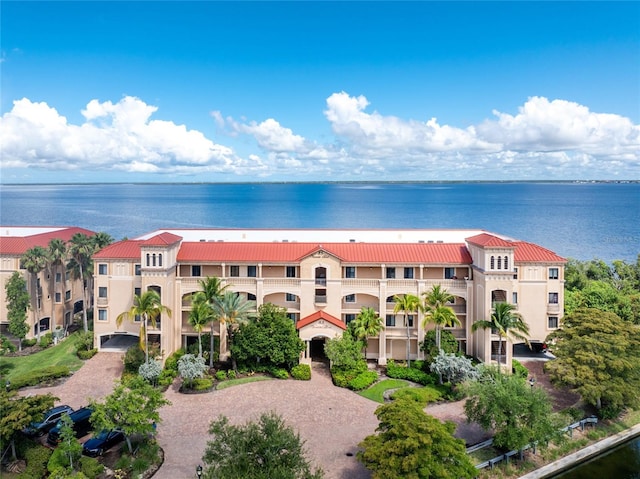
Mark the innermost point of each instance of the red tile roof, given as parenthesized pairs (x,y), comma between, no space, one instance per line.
(486,239)
(126,249)
(162,239)
(317,316)
(388,253)
(18,245)
(532,253)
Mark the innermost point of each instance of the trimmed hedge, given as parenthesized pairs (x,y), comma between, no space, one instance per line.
(84,354)
(221,375)
(202,384)
(301,372)
(410,374)
(38,376)
(279,373)
(363,380)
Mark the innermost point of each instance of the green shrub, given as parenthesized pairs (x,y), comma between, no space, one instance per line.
(410,374)
(84,341)
(279,373)
(133,359)
(171,364)
(421,395)
(37,458)
(202,384)
(341,377)
(27,343)
(84,354)
(46,340)
(6,346)
(90,467)
(38,376)
(231,374)
(419,364)
(301,372)
(221,375)
(363,380)
(166,377)
(518,369)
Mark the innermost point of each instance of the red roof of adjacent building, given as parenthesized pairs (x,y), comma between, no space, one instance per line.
(18,245)
(126,249)
(486,239)
(317,316)
(163,239)
(532,253)
(390,253)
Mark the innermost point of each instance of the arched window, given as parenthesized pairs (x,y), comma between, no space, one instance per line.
(499,262)
(153,259)
(506,262)
(160,259)
(148,259)
(493,262)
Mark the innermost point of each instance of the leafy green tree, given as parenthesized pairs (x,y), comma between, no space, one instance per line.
(437,311)
(270,339)
(344,352)
(191,367)
(518,413)
(66,458)
(410,444)
(367,324)
(34,261)
(212,288)
(507,322)
(598,355)
(266,449)
(448,344)
(149,307)
(407,304)
(133,408)
(231,310)
(16,413)
(81,248)
(17,305)
(201,315)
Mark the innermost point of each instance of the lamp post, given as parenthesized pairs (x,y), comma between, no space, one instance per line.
(199,471)
(532,381)
(7,385)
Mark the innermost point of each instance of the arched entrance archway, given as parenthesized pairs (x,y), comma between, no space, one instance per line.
(316,348)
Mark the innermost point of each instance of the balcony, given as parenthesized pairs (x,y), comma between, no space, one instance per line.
(321,281)
(320,299)
(553,308)
(102,301)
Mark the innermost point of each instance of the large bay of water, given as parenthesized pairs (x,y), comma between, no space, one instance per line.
(620,463)
(578,220)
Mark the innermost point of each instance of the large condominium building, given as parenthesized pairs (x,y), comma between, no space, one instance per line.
(56,295)
(324,277)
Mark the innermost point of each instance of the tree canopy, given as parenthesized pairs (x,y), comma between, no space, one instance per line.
(410,444)
(598,355)
(17,305)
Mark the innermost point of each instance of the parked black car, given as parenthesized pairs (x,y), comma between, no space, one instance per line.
(81,425)
(49,420)
(101,442)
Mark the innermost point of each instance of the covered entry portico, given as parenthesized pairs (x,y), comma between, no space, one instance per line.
(314,330)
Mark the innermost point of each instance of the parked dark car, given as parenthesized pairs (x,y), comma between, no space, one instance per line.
(49,420)
(81,425)
(102,442)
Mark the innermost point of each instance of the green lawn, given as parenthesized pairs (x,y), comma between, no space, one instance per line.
(234,382)
(376,392)
(63,354)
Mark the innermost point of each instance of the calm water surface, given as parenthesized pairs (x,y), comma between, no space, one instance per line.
(575,220)
(620,463)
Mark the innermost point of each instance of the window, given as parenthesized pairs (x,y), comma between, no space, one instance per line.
(137,291)
(102,268)
(292,316)
(291,298)
(160,260)
(553,273)
(196,270)
(234,271)
(153,259)
(321,296)
(514,297)
(410,320)
(67,275)
(391,320)
(137,268)
(252,271)
(493,262)
(58,277)
(553,322)
(67,295)
(148,261)
(58,297)
(450,273)
(506,262)
(499,262)
(390,299)
(553,298)
(102,315)
(251,296)
(291,271)
(350,298)
(391,273)
(102,292)
(350,272)
(408,273)
(515,273)
(349,317)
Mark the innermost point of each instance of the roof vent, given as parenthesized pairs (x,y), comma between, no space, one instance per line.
(430,241)
(202,240)
(352,241)
(420,241)
(440,241)
(285,240)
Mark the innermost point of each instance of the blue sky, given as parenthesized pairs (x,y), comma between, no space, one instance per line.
(296,91)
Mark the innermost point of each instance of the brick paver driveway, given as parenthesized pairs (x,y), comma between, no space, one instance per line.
(331,420)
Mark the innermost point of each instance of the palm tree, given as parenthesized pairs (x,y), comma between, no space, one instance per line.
(436,310)
(81,248)
(148,307)
(212,288)
(231,310)
(367,324)
(407,303)
(100,240)
(56,256)
(201,314)
(34,261)
(507,322)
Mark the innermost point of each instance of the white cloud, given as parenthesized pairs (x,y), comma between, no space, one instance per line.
(543,140)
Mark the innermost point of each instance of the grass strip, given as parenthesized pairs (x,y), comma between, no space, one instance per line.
(235,382)
(376,392)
